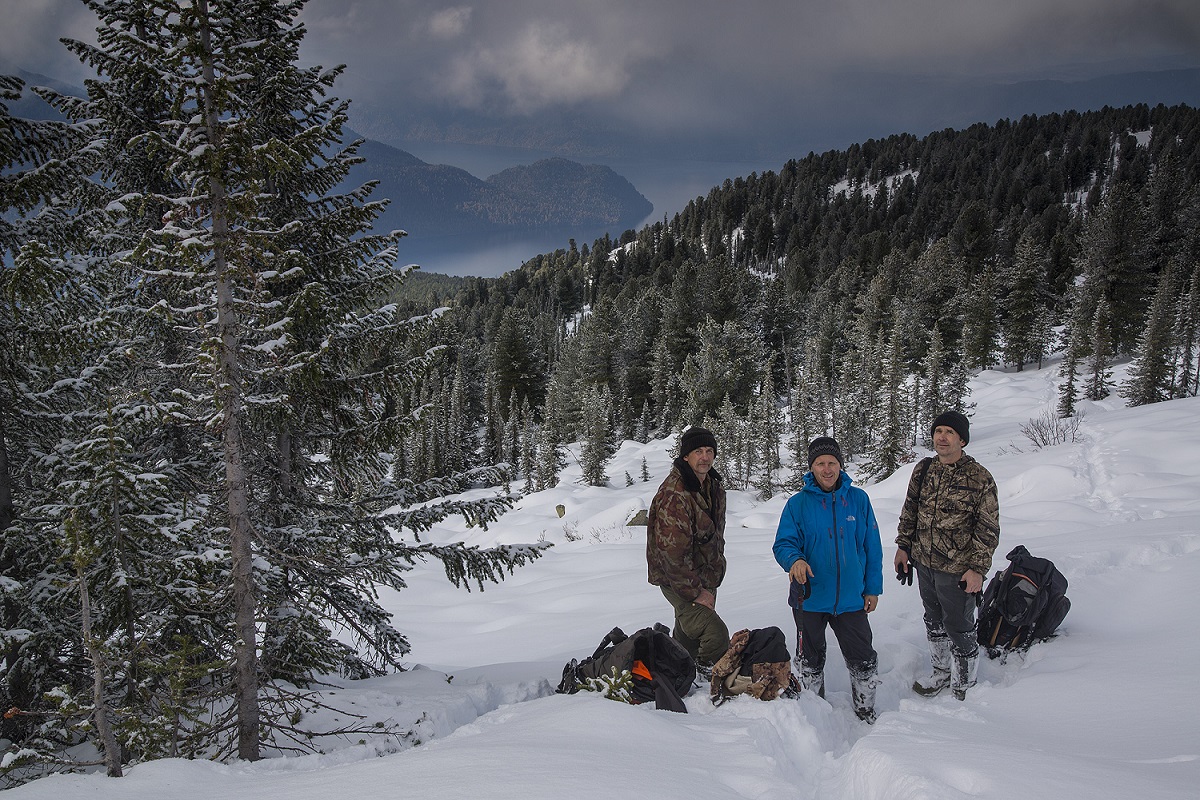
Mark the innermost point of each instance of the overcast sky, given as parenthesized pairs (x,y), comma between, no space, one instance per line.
(685,67)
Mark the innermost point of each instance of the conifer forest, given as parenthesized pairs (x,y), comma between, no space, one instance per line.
(227,416)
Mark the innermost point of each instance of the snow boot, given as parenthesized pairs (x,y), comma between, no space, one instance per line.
(939,678)
(862,690)
(963,670)
(813,682)
(570,678)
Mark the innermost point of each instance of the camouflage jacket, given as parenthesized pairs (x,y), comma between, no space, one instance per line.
(955,526)
(685,533)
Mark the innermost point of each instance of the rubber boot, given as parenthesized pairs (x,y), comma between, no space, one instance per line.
(814,682)
(963,670)
(939,678)
(862,690)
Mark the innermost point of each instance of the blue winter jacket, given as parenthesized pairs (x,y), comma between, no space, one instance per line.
(836,533)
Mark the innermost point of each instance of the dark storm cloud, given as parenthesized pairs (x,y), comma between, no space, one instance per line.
(525,55)
(684,65)
(29,34)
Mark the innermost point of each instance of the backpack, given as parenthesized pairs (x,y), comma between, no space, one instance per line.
(647,666)
(1023,604)
(757,663)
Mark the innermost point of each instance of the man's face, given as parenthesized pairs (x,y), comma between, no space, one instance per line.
(947,443)
(826,470)
(701,461)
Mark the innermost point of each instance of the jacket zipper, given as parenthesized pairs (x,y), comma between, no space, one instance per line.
(837,554)
(937,495)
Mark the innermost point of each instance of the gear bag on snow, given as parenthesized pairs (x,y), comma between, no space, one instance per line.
(1023,604)
(757,663)
(647,666)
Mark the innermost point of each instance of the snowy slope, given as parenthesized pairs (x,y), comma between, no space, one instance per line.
(1110,708)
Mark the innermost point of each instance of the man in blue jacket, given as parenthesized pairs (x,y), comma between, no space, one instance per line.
(828,541)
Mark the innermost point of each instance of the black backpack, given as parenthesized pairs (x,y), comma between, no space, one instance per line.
(647,666)
(1023,604)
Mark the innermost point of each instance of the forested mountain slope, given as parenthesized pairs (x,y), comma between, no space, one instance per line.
(861,286)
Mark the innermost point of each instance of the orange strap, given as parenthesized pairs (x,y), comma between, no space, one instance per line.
(641,671)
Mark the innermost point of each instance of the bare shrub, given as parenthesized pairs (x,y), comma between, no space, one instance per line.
(1050,429)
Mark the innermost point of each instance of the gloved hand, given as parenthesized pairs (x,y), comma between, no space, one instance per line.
(904,575)
(798,593)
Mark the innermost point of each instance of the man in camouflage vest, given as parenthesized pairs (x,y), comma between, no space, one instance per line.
(949,530)
(685,546)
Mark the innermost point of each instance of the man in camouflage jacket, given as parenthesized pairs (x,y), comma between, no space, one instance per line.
(685,546)
(949,530)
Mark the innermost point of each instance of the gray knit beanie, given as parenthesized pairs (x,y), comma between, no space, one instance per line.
(825,446)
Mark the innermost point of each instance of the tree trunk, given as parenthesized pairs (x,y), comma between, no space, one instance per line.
(108,742)
(18,693)
(229,394)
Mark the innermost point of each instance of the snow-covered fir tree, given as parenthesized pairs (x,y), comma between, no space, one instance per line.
(889,448)
(52,326)
(1022,287)
(292,382)
(1186,338)
(1150,377)
(597,446)
(1100,361)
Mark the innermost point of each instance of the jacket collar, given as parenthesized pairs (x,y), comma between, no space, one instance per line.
(963,460)
(811,485)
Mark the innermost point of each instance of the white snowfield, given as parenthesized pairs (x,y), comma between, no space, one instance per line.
(1108,709)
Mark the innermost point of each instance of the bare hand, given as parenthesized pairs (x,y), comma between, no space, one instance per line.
(974,581)
(800,571)
(870,602)
(706,599)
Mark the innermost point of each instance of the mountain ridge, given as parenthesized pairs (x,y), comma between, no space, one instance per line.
(439,199)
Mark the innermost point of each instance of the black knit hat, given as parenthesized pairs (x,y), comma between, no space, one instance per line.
(825,446)
(696,437)
(953,419)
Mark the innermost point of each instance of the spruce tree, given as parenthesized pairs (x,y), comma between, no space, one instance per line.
(979,319)
(294,383)
(935,397)
(735,444)
(550,456)
(1022,288)
(528,447)
(52,325)
(888,448)
(596,449)
(1150,376)
(1186,356)
(1068,393)
(766,425)
(1115,265)
(641,431)
(664,385)
(1099,372)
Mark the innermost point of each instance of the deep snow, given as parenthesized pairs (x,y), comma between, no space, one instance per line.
(1107,709)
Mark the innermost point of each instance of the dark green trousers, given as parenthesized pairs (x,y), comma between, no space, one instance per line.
(698,628)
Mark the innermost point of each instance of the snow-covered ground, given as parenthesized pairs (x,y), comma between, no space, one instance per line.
(1108,709)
